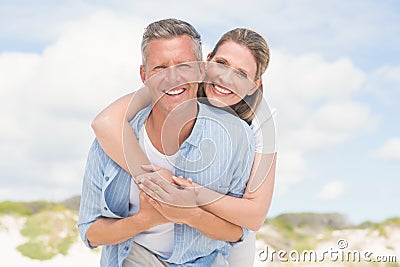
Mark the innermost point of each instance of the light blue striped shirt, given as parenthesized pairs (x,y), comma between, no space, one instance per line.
(218,154)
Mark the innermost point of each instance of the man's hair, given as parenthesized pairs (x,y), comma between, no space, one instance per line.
(167,29)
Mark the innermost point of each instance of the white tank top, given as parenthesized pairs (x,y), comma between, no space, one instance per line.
(159,239)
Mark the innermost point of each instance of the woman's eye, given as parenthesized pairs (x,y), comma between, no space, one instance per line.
(242,74)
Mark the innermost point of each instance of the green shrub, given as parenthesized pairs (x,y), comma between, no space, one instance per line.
(28,208)
(49,233)
(9,207)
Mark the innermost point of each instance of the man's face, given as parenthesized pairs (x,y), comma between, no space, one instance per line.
(165,85)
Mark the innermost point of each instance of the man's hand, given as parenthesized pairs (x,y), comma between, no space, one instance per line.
(179,215)
(173,197)
(166,192)
(148,211)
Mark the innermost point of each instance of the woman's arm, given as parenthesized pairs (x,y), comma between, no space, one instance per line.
(114,133)
(251,210)
(185,211)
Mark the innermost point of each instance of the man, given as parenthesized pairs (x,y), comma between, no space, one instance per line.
(114,212)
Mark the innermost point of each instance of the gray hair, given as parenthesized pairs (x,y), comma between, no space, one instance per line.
(167,29)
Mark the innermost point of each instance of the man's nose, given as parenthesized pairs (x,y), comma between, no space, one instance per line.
(172,75)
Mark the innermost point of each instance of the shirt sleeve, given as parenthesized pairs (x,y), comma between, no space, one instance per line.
(244,236)
(263,128)
(242,161)
(90,205)
(244,158)
(258,138)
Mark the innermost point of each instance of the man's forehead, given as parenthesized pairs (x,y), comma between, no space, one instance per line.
(175,50)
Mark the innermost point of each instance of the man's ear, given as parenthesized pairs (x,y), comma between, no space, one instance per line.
(202,70)
(257,83)
(142,74)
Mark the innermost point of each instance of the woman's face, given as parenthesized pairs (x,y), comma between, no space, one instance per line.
(230,75)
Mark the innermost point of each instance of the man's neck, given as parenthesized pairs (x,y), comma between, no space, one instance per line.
(167,131)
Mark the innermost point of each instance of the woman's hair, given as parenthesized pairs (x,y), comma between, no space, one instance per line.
(259,48)
(167,29)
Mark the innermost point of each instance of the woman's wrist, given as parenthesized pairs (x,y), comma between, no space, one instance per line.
(194,216)
(206,196)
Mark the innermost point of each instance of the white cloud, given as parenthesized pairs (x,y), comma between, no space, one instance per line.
(390,149)
(49,99)
(316,109)
(40,22)
(331,124)
(384,83)
(309,78)
(331,191)
(291,169)
(320,26)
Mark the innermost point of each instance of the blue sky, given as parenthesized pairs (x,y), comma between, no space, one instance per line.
(334,80)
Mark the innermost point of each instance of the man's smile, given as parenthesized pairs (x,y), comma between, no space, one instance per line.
(174,91)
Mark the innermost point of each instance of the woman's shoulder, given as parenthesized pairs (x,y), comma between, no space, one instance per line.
(216,116)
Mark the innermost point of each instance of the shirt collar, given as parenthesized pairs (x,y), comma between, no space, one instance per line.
(195,136)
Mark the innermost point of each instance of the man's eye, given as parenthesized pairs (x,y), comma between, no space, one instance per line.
(159,67)
(183,66)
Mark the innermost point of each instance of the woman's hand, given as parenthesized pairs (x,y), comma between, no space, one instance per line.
(154,171)
(184,182)
(174,191)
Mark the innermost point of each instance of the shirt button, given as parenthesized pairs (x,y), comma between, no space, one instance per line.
(105,208)
(107,178)
(126,248)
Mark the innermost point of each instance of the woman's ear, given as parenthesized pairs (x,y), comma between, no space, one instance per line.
(257,83)
(142,74)
(209,57)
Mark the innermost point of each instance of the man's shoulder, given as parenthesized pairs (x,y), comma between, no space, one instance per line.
(223,127)
(218,114)
(101,159)
(139,119)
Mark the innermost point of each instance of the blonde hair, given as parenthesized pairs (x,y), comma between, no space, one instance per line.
(167,29)
(259,48)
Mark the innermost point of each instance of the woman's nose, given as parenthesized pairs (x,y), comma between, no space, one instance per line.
(226,77)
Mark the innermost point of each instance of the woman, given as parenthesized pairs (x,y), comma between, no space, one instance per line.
(247,54)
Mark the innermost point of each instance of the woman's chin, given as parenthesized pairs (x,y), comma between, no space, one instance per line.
(216,102)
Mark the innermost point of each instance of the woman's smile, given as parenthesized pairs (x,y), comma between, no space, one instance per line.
(220,90)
